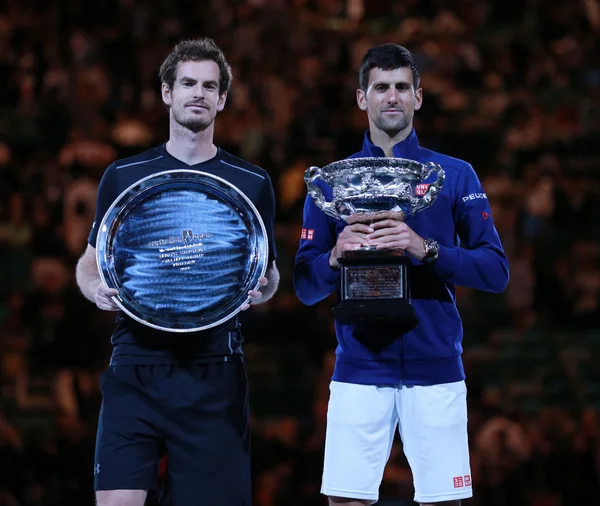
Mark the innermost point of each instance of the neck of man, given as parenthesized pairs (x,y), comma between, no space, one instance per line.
(191,147)
(387,140)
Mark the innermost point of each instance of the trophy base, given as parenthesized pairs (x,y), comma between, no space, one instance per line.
(375,289)
(397,312)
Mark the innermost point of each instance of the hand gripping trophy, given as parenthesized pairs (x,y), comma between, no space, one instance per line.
(375,282)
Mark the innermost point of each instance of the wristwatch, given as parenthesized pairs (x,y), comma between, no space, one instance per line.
(432,249)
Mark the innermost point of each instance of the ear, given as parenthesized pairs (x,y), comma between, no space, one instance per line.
(418,99)
(221,102)
(166,94)
(361,99)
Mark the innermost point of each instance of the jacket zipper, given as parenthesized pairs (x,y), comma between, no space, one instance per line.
(401,350)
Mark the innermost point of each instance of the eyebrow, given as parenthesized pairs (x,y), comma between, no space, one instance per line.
(388,83)
(186,78)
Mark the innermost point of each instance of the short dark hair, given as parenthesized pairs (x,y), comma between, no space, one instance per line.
(387,57)
(196,50)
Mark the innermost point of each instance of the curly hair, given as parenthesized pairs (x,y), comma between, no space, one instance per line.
(196,50)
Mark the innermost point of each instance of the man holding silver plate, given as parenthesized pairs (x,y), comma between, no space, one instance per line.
(183,241)
(393,229)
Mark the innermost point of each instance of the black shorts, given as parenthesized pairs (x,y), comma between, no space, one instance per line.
(197,414)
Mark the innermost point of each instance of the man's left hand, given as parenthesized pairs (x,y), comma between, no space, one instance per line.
(255,295)
(395,234)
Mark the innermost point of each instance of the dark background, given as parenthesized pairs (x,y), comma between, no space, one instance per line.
(511,86)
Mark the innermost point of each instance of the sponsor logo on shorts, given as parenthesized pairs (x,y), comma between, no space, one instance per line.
(307,233)
(462,481)
(421,189)
(97,469)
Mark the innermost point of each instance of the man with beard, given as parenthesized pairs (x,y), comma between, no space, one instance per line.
(186,396)
(393,377)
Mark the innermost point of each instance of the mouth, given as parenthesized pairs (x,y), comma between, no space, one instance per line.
(392,111)
(196,106)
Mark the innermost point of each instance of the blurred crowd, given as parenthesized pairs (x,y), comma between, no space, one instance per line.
(511,86)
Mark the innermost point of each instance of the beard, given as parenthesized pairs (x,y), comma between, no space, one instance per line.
(392,126)
(194,123)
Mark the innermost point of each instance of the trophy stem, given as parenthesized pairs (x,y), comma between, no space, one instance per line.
(372,252)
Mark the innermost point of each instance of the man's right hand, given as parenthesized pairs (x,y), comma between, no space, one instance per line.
(104,296)
(352,237)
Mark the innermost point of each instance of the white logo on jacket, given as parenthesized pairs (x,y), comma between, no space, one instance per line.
(474,196)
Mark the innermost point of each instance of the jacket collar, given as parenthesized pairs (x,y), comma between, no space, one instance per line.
(407,148)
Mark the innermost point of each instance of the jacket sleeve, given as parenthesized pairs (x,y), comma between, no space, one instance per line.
(314,278)
(479,260)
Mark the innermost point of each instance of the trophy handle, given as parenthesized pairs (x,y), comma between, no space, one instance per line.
(310,176)
(434,188)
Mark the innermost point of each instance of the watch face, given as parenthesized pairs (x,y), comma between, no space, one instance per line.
(431,247)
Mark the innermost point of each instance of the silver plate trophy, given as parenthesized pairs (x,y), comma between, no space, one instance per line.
(375,283)
(183,248)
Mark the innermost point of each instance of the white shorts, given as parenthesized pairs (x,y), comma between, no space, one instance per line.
(361,423)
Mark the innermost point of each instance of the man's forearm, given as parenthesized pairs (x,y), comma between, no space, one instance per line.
(271,287)
(483,268)
(88,278)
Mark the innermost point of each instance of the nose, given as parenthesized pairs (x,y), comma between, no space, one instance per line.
(393,96)
(198,91)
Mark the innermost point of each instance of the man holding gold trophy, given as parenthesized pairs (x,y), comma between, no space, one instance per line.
(183,241)
(393,229)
